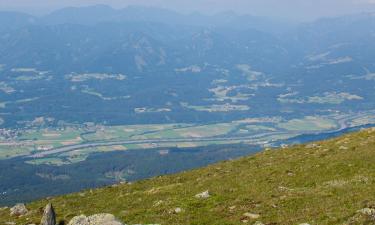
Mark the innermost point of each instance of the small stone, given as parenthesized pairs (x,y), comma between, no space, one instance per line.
(49,216)
(304,224)
(313,145)
(10,223)
(282,188)
(158,203)
(367,211)
(258,223)
(177,210)
(205,194)
(18,210)
(251,215)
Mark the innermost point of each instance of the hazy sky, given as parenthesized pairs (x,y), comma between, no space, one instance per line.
(292,9)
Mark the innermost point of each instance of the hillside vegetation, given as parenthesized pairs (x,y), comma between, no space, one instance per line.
(328,182)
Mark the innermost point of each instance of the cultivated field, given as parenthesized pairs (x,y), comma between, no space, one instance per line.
(71,144)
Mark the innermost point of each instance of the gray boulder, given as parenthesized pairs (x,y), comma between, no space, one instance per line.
(98,219)
(18,210)
(49,216)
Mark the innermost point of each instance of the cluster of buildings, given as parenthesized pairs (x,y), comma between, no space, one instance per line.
(8,134)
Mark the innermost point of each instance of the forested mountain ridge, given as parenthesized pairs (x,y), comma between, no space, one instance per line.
(242,71)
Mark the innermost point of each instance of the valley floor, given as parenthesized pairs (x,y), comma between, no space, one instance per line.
(75,143)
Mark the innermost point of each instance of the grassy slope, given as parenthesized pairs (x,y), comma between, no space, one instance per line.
(324,183)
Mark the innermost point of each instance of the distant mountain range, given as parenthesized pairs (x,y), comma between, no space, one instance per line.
(181,68)
(105,14)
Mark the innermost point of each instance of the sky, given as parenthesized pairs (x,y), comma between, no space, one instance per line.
(287,9)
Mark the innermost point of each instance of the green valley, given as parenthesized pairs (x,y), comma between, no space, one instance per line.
(74,143)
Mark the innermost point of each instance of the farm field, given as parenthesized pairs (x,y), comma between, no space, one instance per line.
(72,144)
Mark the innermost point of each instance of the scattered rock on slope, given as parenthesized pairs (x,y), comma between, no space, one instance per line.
(18,210)
(205,194)
(49,216)
(251,215)
(367,211)
(98,219)
(177,210)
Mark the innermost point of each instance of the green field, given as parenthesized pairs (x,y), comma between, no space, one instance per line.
(255,131)
(309,124)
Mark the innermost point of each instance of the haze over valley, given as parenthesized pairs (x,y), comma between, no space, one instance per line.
(91,96)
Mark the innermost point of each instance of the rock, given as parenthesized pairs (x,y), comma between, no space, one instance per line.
(343,148)
(251,215)
(79,220)
(367,211)
(282,188)
(158,203)
(18,210)
(258,223)
(98,219)
(304,224)
(177,210)
(313,145)
(103,219)
(205,194)
(10,223)
(49,216)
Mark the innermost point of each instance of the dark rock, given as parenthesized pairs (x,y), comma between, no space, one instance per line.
(49,216)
